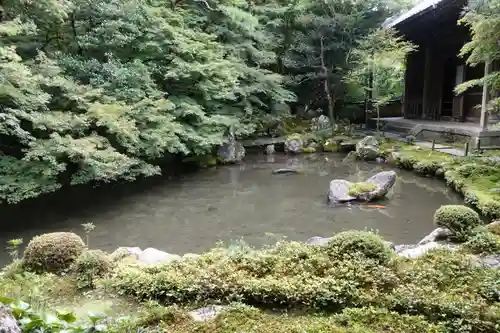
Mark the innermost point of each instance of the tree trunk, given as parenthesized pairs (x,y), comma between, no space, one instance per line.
(326,85)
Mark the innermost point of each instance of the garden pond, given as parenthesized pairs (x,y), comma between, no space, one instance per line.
(191,212)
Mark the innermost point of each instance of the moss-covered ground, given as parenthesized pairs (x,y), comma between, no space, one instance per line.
(476,178)
(355,284)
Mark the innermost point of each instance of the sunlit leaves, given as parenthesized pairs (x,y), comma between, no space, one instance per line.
(483,20)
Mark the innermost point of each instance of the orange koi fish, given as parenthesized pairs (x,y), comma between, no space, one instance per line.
(375,206)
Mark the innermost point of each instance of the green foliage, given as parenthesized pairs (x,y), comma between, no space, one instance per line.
(308,150)
(52,252)
(31,321)
(426,167)
(482,240)
(360,188)
(380,58)
(483,20)
(103,91)
(459,219)
(90,265)
(366,244)
(345,277)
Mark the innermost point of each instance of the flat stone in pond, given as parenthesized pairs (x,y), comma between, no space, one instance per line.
(285,171)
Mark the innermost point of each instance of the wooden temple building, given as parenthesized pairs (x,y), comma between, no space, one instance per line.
(434,70)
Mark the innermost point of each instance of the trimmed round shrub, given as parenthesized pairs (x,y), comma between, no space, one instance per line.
(365,243)
(52,252)
(458,218)
(90,265)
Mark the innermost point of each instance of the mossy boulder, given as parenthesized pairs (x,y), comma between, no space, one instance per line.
(364,243)
(294,143)
(357,189)
(330,146)
(52,252)
(308,150)
(458,218)
(89,266)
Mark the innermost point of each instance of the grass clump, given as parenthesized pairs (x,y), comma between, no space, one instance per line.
(52,252)
(91,264)
(458,218)
(357,189)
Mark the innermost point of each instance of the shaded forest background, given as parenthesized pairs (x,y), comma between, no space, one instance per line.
(108,90)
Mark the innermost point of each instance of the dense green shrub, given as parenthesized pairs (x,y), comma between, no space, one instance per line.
(52,252)
(290,274)
(287,274)
(475,169)
(90,265)
(459,219)
(483,241)
(385,320)
(365,243)
(426,167)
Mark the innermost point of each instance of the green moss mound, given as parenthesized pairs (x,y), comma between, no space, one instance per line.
(52,252)
(308,150)
(459,219)
(295,136)
(363,243)
(90,265)
(359,188)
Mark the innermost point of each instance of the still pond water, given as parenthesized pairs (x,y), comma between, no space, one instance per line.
(194,211)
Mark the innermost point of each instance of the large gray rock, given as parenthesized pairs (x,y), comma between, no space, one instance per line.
(368,148)
(323,241)
(123,252)
(383,181)
(151,256)
(416,251)
(231,152)
(318,240)
(7,323)
(339,191)
(437,234)
(491,261)
(206,313)
(294,145)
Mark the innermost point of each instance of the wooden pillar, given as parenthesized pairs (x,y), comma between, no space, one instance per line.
(458,100)
(484,104)
(427,82)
